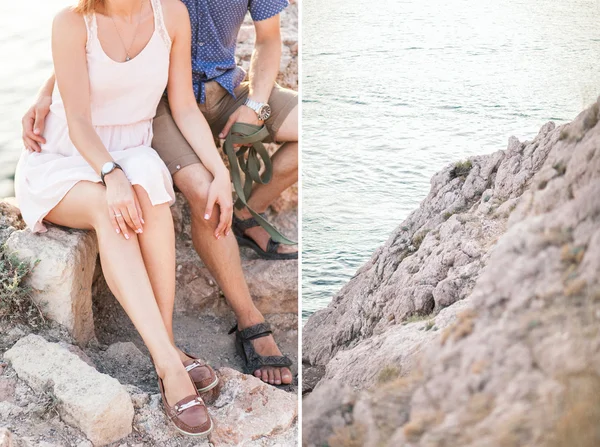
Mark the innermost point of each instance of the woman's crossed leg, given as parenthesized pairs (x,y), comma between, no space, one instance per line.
(124,268)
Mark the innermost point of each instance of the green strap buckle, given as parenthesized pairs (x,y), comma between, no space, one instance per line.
(251,137)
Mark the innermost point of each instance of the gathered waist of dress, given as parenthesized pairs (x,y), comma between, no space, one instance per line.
(104,118)
(114,137)
(144,122)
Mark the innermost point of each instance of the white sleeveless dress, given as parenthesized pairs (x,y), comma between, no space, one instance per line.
(124,97)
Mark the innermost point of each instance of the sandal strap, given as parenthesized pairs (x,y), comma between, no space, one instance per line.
(253,332)
(279,361)
(272,246)
(253,359)
(244,224)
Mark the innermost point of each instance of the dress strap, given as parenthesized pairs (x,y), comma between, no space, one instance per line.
(159,23)
(92,28)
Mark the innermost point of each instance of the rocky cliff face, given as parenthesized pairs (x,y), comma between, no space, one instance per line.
(477,323)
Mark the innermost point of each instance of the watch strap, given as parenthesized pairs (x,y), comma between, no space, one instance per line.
(254,105)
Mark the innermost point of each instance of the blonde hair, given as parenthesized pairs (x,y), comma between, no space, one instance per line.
(87,6)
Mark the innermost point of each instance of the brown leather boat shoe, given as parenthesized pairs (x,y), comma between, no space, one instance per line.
(203,376)
(189,415)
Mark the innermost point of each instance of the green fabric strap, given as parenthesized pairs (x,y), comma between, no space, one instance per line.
(251,137)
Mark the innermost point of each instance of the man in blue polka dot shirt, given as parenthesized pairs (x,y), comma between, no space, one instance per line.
(226,95)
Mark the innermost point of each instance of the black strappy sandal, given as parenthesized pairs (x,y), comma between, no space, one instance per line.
(253,360)
(239,226)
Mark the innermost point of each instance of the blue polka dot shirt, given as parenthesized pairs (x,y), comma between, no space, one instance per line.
(215,26)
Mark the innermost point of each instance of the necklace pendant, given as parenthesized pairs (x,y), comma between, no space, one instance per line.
(127,59)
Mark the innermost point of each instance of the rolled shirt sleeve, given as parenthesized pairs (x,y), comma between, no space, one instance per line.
(265,9)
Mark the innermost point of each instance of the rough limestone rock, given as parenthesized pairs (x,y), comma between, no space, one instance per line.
(392,353)
(324,411)
(95,403)
(7,389)
(520,364)
(10,219)
(273,286)
(5,438)
(62,279)
(247,412)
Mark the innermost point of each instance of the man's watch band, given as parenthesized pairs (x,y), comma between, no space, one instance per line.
(107,168)
(262,110)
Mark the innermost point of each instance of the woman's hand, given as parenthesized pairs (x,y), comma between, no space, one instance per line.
(123,205)
(219,193)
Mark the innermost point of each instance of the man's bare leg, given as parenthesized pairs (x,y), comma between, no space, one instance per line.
(222,258)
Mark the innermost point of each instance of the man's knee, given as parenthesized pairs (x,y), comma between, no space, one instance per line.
(194,182)
(288,131)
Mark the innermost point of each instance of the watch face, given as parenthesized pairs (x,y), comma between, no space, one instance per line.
(265,112)
(107,167)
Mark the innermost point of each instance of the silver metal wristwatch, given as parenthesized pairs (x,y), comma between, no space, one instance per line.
(107,168)
(263,111)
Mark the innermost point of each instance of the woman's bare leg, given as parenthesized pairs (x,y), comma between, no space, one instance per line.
(84,207)
(157,244)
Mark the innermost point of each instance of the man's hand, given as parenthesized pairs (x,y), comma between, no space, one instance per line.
(243,114)
(34,122)
(219,193)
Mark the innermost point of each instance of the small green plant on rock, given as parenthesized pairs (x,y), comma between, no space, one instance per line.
(418,239)
(16,303)
(48,403)
(560,168)
(461,169)
(388,374)
(416,318)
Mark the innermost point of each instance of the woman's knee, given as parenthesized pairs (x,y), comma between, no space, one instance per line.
(82,207)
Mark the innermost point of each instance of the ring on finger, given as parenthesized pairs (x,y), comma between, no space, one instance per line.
(118,215)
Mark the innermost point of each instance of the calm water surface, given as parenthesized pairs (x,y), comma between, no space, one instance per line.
(25,62)
(395,90)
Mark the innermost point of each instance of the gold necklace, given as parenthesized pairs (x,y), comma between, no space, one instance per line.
(127,57)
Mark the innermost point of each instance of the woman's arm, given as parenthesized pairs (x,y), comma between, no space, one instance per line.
(69,37)
(190,120)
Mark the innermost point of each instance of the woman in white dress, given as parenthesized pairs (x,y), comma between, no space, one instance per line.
(97,171)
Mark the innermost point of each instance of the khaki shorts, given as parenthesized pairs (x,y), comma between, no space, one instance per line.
(172,146)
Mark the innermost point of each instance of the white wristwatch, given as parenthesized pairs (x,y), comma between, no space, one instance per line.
(263,111)
(107,168)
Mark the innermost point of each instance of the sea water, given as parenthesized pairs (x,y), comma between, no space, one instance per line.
(395,90)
